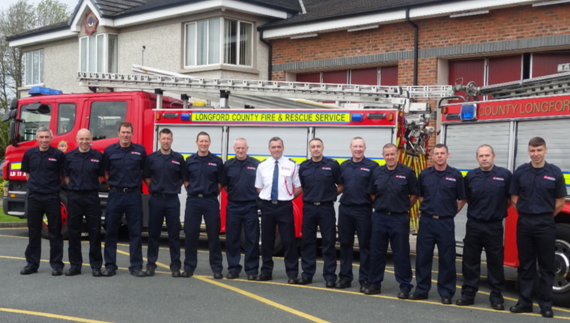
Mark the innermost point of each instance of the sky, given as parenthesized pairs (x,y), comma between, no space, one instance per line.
(7,3)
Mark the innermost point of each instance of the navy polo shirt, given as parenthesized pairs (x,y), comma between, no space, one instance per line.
(125,165)
(537,188)
(203,174)
(393,188)
(440,191)
(356,179)
(488,193)
(44,168)
(239,179)
(165,172)
(83,169)
(319,180)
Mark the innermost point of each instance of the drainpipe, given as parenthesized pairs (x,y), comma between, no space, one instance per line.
(416,45)
(270,59)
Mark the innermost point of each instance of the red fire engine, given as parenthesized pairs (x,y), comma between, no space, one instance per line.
(517,112)
(385,114)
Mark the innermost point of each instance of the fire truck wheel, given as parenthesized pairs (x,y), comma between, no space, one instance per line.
(277,248)
(45,234)
(561,285)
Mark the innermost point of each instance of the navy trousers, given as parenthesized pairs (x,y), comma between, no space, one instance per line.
(322,216)
(481,235)
(536,236)
(196,207)
(129,203)
(161,207)
(242,216)
(38,205)
(79,204)
(432,232)
(278,215)
(354,219)
(394,229)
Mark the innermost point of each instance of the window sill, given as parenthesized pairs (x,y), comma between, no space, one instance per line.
(219,67)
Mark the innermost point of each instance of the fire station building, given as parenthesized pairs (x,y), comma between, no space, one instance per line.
(390,42)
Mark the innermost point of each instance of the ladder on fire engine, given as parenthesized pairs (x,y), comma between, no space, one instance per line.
(544,85)
(397,95)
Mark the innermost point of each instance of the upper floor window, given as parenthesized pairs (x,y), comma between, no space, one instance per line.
(33,67)
(99,53)
(218,41)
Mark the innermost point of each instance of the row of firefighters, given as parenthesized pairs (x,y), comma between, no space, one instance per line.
(374,205)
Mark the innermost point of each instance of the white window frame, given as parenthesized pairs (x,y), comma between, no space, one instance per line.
(221,45)
(104,54)
(25,80)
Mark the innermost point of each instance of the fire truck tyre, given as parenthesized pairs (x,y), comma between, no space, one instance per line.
(561,285)
(45,234)
(278,248)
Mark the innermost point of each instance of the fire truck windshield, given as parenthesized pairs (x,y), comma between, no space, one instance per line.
(31,120)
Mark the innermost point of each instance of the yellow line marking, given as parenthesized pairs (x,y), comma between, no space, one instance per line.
(322,288)
(264,300)
(54,316)
(8,236)
(251,295)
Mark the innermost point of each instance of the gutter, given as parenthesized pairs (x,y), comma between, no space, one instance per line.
(416,45)
(270,59)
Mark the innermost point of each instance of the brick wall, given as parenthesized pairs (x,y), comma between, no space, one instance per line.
(499,25)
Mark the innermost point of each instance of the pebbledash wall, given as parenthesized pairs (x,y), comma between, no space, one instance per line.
(448,48)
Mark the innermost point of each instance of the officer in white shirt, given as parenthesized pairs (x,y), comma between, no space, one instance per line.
(277,182)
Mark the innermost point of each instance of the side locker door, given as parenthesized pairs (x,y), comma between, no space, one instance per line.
(556,134)
(184,142)
(463,141)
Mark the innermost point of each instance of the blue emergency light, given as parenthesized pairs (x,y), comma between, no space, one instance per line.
(40,90)
(185,116)
(356,117)
(468,112)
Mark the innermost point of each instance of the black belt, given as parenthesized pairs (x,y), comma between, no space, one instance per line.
(483,221)
(391,212)
(125,189)
(276,202)
(317,203)
(200,195)
(438,217)
(82,192)
(164,195)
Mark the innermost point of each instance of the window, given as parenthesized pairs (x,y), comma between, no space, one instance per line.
(105,118)
(34,67)
(208,40)
(32,117)
(65,118)
(99,53)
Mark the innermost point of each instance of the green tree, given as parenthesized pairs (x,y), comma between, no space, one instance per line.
(16,19)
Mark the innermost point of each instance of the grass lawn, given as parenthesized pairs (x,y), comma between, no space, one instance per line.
(9,218)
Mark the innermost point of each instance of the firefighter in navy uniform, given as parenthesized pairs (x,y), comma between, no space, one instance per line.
(83,169)
(321,183)
(164,174)
(487,189)
(442,196)
(203,184)
(538,192)
(394,189)
(43,167)
(239,182)
(277,182)
(124,164)
(355,212)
